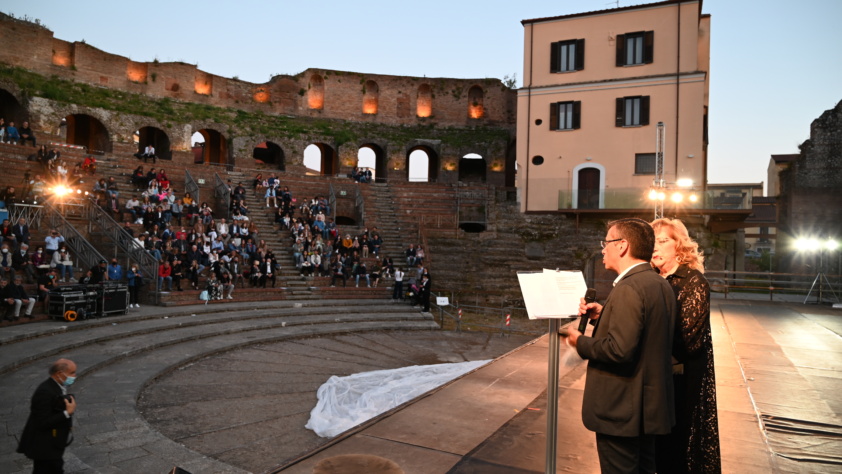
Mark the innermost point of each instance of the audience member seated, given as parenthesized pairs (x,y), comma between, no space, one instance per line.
(7,269)
(89,165)
(149,153)
(17,294)
(26,134)
(12,135)
(64,263)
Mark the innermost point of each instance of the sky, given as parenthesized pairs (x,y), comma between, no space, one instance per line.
(775,65)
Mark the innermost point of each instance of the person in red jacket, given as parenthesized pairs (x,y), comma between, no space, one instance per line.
(165,273)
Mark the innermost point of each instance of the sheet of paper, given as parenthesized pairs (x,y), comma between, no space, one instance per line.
(570,288)
(551,293)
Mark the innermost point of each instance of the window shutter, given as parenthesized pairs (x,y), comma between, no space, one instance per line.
(648,46)
(554,116)
(580,55)
(577,111)
(644,110)
(621,103)
(555,57)
(621,50)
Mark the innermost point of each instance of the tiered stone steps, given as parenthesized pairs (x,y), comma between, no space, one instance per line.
(118,356)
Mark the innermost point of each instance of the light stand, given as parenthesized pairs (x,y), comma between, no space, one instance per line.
(821,280)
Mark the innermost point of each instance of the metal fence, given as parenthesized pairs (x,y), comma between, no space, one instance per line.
(191,186)
(816,287)
(504,320)
(222,194)
(86,255)
(148,264)
(359,204)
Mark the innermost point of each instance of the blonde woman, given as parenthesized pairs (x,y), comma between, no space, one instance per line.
(693,445)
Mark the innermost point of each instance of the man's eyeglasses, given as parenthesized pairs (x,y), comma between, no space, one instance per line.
(603,242)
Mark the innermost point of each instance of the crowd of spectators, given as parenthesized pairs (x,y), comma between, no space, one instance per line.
(195,248)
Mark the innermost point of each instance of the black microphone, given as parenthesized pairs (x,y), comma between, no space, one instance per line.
(590,297)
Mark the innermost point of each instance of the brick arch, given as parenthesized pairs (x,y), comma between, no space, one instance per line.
(316,92)
(371,97)
(11,109)
(424,101)
(215,148)
(472,168)
(329,159)
(270,153)
(476,108)
(159,140)
(87,131)
(381,161)
(432,161)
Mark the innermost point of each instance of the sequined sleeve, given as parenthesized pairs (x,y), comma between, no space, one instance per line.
(694,301)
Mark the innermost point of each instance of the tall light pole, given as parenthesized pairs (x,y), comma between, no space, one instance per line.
(658,183)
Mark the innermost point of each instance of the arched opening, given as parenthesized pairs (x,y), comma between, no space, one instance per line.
(371,94)
(84,130)
(472,168)
(155,137)
(588,188)
(373,157)
(423,164)
(472,227)
(269,153)
(316,94)
(11,110)
(424,103)
(320,160)
(475,108)
(210,147)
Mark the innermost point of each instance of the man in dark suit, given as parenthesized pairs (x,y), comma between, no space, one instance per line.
(21,232)
(50,421)
(628,394)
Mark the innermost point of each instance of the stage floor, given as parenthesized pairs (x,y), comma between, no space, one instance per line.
(779,390)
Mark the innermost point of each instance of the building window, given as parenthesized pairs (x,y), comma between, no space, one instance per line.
(635,48)
(566,56)
(565,115)
(632,111)
(644,163)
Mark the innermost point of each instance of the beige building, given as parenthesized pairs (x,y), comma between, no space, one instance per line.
(596,85)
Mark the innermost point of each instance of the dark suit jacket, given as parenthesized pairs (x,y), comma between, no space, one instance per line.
(629,387)
(47,429)
(21,233)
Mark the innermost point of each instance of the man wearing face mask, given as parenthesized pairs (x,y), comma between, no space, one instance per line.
(6,265)
(48,428)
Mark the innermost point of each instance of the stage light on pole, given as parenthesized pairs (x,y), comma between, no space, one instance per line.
(813,244)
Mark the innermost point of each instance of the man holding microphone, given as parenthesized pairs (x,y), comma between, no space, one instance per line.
(628,396)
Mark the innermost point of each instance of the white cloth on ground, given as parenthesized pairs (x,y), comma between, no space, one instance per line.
(345,402)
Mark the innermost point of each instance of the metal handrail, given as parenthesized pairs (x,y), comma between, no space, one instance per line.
(359,203)
(191,186)
(85,253)
(222,194)
(126,243)
(31,212)
(331,201)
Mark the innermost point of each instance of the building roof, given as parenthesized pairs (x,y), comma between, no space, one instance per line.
(785,158)
(610,10)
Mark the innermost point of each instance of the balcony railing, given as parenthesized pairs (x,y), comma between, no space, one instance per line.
(638,198)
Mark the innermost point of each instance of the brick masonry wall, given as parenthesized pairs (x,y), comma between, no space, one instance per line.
(809,204)
(33,47)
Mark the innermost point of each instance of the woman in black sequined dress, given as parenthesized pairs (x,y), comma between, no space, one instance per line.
(693,446)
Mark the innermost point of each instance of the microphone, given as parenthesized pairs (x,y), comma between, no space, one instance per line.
(590,297)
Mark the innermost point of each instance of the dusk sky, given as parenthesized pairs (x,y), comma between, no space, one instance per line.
(775,65)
